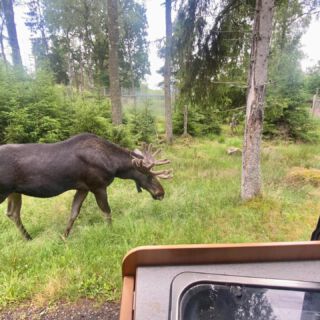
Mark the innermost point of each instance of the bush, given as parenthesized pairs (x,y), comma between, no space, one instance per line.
(31,109)
(121,136)
(178,122)
(91,116)
(208,123)
(143,126)
(289,119)
(200,122)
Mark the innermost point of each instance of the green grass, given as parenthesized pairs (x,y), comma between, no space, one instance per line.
(201,205)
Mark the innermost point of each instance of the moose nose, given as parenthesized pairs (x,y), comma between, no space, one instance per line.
(159,196)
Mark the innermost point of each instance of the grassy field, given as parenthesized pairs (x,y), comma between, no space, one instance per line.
(202,205)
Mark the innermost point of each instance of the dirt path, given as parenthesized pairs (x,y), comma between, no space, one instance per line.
(80,310)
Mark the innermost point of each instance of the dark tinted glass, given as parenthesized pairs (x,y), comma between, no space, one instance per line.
(228,302)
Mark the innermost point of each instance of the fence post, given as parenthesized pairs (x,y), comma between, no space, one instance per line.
(315,102)
(185,120)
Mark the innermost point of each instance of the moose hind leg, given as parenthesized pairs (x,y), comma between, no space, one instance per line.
(2,198)
(78,199)
(102,201)
(13,212)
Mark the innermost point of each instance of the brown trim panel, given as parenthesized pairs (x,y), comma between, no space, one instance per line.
(126,307)
(218,253)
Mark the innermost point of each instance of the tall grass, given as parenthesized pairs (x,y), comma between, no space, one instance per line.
(201,205)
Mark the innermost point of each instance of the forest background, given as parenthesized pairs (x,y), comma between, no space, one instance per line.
(68,93)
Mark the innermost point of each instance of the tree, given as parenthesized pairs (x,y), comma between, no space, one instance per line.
(115,91)
(2,22)
(134,63)
(72,37)
(287,111)
(251,176)
(210,46)
(313,79)
(7,7)
(36,24)
(167,73)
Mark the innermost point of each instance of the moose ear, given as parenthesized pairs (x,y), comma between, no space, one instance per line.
(138,187)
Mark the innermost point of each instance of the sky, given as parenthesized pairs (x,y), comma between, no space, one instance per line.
(311,45)
(156,21)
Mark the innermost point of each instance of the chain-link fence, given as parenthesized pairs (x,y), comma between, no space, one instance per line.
(139,99)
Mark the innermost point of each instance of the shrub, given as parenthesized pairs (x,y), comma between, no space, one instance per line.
(208,123)
(92,117)
(289,119)
(32,109)
(178,122)
(143,125)
(200,122)
(121,135)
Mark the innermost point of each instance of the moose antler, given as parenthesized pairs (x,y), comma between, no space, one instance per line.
(148,161)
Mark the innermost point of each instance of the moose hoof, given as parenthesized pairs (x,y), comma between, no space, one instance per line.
(65,235)
(27,237)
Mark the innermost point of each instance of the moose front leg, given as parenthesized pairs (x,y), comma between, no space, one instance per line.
(78,199)
(13,212)
(102,201)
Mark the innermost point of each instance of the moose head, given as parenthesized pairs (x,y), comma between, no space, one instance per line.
(144,161)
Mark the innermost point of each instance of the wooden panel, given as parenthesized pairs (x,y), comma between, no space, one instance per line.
(218,253)
(127,297)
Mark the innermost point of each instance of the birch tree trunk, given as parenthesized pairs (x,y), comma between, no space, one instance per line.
(251,184)
(7,7)
(115,91)
(3,54)
(167,74)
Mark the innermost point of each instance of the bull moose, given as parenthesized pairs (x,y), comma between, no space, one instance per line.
(85,163)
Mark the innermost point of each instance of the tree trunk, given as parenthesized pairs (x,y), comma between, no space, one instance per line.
(134,97)
(133,89)
(41,23)
(7,8)
(167,74)
(251,184)
(3,54)
(185,120)
(115,92)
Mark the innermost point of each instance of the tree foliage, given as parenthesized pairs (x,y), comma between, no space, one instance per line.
(143,125)
(210,57)
(72,37)
(211,44)
(35,109)
(211,54)
(312,83)
(287,111)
